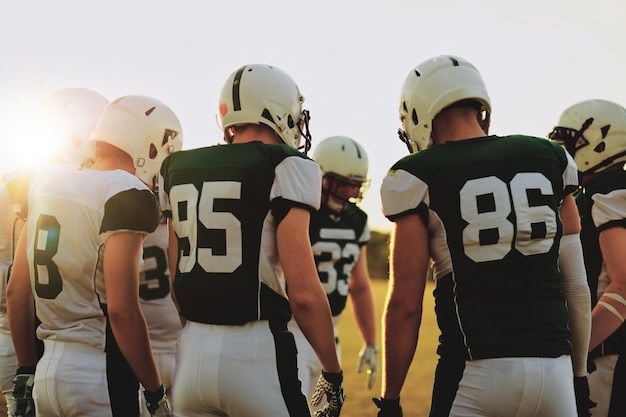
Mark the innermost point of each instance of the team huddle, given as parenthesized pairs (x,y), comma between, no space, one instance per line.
(141,279)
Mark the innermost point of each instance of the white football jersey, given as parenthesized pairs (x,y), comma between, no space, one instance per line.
(155,293)
(71,214)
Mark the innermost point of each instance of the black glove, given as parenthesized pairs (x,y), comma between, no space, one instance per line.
(329,384)
(156,402)
(583,402)
(388,408)
(23,392)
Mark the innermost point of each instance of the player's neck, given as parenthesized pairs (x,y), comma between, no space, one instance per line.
(256,133)
(111,163)
(456,124)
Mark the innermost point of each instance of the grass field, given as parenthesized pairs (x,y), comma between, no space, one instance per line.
(416,392)
(417,388)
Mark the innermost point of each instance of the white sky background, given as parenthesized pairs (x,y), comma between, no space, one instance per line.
(349,58)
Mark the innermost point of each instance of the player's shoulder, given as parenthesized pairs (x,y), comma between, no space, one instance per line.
(122,180)
(607,182)
(536,143)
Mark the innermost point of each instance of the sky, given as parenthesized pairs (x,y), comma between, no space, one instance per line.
(348,57)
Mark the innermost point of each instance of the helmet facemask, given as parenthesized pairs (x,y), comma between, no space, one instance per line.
(338,191)
(344,164)
(571,139)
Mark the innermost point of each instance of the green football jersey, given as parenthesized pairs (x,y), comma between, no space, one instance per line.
(491,207)
(225,202)
(336,242)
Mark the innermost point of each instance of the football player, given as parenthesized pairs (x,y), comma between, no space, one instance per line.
(158,306)
(594,133)
(242,260)
(78,258)
(339,234)
(496,217)
(68,116)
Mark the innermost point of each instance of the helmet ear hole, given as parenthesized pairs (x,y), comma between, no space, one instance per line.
(152,153)
(414,117)
(267,115)
(600,147)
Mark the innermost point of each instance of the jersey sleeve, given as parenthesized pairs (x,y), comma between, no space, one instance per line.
(298,183)
(609,210)
(134,210)
(365,235)
(402,193)
(570,175)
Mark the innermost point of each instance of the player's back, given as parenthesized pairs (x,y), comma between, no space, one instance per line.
(226,202)
(491,205)
(154,292)
(71,214)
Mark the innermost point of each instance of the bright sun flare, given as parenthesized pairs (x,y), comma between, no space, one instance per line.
(24,144)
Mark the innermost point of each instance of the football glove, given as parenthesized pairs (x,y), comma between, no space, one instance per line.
(23,392)
(329,384)
(367,356)
(388,408)
(583,402)
(157,404)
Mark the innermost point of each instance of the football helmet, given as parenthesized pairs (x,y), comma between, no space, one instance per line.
(263,94)
(69,116)
(144,128)
(594,133)
(344,164)
(431,87)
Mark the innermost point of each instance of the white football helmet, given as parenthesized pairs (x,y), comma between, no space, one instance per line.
(594,133)
(343,161)
(69,116)
(144,128)
(263,94)
(431,87)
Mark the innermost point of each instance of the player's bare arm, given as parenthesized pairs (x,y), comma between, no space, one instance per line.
(21,307)
(307,298)
(361,296)
(569,216)
(403,306)
(610,311)
(121,266)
